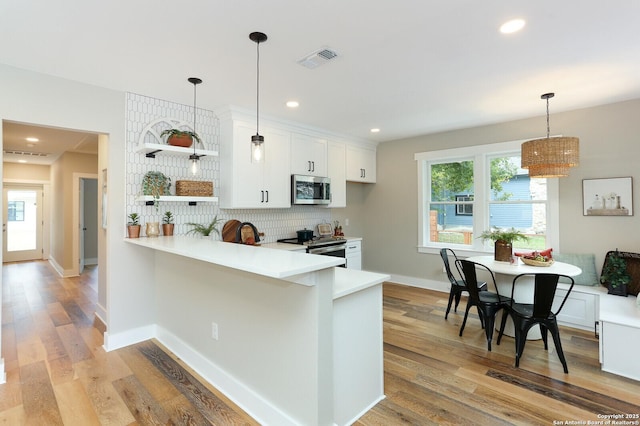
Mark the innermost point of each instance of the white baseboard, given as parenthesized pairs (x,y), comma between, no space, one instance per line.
(101,313)
(252,403)
(64,273)
(3,374)
(421,283)
(129,337)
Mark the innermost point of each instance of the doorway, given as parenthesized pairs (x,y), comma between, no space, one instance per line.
(22,225)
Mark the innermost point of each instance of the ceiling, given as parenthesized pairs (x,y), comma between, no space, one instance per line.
(406,67)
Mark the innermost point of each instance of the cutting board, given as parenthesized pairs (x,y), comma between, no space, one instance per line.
(229,231)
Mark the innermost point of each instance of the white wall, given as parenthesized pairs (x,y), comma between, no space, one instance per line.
(30,97)
(608,148)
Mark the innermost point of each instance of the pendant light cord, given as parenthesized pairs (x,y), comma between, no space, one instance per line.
(257,87)
(548,128)
(194,117)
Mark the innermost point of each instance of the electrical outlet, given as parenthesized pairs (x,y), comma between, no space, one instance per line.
(214,331)
(346,222)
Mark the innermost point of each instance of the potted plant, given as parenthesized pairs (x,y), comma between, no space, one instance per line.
(204,230)
(133,226)
(167,224)
(156,184)
(615,275)
(183,138)
(503,241)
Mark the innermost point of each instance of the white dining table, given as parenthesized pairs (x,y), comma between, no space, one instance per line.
(505,272)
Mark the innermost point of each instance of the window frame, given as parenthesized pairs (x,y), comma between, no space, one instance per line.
(480,155)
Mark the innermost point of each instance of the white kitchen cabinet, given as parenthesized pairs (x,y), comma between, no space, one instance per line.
(354,254)
(245,184)
(337,171)
(361,164)
(619,335)
(308,155)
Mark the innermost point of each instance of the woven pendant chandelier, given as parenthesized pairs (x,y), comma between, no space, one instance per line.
(550,157)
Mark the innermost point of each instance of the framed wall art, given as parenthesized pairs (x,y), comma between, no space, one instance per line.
(607,197)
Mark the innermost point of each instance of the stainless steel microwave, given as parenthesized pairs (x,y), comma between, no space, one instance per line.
(310,189)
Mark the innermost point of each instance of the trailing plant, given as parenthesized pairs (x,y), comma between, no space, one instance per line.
(508,235)
(204,230)
(156,184)
(614,272)
(134,219)
(181,133)
(167,218)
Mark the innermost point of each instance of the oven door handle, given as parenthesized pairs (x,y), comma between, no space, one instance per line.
(320,250)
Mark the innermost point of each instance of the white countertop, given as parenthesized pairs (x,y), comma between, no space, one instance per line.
(349,281)
(255,259)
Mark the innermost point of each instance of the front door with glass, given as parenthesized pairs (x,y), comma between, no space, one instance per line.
(22,225)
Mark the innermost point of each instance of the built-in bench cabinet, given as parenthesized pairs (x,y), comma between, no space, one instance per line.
(619,320)
(581,308)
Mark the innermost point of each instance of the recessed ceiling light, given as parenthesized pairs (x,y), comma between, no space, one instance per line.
(375,130)
(33,140)
(293,104)
(22,161)
(512,26)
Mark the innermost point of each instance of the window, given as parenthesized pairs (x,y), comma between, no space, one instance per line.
(464,209)
(16,211)
(466,191)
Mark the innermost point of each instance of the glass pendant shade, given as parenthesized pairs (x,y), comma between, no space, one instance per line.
(195,167)
(257,148)
(550,157)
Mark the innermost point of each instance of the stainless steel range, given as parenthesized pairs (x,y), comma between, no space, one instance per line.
(324,244)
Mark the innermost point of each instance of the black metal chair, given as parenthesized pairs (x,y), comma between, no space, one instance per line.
(526,315)
(457,286)
(487,302)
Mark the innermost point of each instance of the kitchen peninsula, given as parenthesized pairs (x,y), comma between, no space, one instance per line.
(285,335)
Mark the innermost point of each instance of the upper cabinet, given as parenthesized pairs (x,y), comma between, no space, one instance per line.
(245,184)
(308,155)
(361,164)
(337,171)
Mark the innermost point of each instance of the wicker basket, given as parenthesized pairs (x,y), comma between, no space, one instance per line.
(532,262)
(194,188)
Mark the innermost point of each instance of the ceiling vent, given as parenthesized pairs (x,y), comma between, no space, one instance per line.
(317,58)
(27,153)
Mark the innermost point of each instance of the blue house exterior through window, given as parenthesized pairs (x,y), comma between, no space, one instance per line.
(516,215)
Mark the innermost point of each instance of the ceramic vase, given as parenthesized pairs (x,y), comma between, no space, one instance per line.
(153,229)
(503,251)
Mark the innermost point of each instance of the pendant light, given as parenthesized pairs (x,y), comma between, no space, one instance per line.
(257,140)
(550,157)
(195,167)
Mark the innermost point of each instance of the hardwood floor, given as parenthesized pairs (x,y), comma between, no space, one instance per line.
(58,373)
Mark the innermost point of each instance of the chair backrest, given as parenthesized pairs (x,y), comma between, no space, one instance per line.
(470,276)
(545,286)
(444,254)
